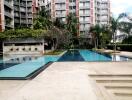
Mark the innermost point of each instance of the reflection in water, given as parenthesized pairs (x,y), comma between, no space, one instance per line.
(14,61)
(120,58)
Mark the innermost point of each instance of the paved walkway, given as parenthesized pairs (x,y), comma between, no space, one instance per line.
(128,54)
(74,81)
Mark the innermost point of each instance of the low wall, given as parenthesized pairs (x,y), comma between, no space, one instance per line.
(36,49)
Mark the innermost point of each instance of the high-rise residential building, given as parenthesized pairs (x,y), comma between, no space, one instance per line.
(42,3)
(6,14)
(88,12)
(23,13)
(35,7)
(17,13)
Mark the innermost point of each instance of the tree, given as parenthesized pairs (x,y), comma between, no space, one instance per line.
(72,24)
(96,31)
(100,35)
(105,36)
(42,21)
(22,33)
(58,23)
(115,25)
(72,27)
(126,25)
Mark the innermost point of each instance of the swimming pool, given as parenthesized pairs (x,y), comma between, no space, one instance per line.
(26,67)
(88,55)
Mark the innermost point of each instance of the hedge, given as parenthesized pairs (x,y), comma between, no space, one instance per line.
(122,47)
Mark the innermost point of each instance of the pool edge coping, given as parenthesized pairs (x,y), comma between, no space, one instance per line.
(31,75)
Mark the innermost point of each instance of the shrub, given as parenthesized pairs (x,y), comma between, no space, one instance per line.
(127,40)
(123,47)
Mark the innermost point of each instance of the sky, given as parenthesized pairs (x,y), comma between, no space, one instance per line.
(120,6)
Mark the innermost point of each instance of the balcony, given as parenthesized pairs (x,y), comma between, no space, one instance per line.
(29,10)
(30,22)
(85,15)
(23,22)
(84,0)
(21,10)
(61,15)
(84,28)
(9,26)
(16,9)
(84,7)
(27,0)
(72,11)
(61,8)
(105,14)
(8,14)
(60,1)
(30,16)
(16,21)
(29,4)
(16,15)
(16,3)
(84,22)
(23,16)
(8,4)
(72,4)
(23,4)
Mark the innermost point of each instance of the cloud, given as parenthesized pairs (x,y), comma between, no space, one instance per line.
(120,6)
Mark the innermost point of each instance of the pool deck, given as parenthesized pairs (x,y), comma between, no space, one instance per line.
(74,81)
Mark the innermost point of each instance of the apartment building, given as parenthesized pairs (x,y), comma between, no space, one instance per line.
(42,3)
(17,13)
(88,12)
(23,13)
(6,15)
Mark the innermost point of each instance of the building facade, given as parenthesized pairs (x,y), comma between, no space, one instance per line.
(88,12)
(6,15)
(17,13)
(23,13)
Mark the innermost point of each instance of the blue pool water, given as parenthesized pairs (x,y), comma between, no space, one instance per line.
(87,55)
(71,56)
(22,67)
(94,56)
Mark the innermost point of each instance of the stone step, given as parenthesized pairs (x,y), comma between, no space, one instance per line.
(121,92)
(114,81)
(117,84)
(110,75)
(123,98)
(119,87)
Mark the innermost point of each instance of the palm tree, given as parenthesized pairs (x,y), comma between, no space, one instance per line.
(115,25)
(96,32)
(126,26)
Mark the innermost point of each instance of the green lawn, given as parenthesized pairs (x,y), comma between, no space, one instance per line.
(55,52)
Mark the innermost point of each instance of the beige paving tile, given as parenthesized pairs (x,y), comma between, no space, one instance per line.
(66,81)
